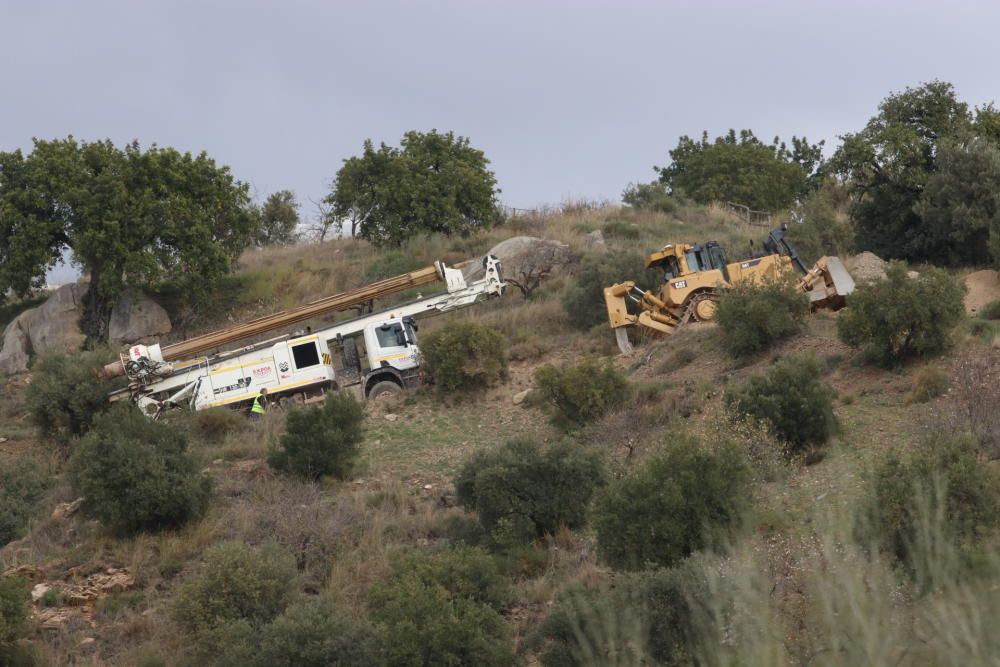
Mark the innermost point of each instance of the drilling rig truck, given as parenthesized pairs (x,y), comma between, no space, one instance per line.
(374,354)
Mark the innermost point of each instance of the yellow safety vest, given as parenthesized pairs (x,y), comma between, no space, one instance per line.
(258,405)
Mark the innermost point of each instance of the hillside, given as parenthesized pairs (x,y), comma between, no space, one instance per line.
(792,584)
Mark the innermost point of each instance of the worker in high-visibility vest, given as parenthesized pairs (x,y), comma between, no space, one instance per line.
(259,405)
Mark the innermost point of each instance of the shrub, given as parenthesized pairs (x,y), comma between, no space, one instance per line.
(322,441)
(991,311)
(754,316)
(65,396)
(824,226)
(621,229)
(236,584)
(430,618)
(315,633)
(902,317)
(650,196)
(465,356)
(685,499)
(22,486)
(647,614)
(13,608)
(791,399)
(215,424)
(136,474)
(943,472)
(580,393)
(464,571)
(522,491)
(929,382)
(583,301)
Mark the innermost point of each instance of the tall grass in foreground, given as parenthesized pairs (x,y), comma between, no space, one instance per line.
(820,600)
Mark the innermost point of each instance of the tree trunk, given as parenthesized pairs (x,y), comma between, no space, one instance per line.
(96,311)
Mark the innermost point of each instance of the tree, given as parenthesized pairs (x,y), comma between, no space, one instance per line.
(743,169)
(889,162)
(132,218)
(960,205)
(433,183)
(279,219)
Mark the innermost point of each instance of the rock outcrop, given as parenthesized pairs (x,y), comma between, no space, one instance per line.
(136,317)
(53,327)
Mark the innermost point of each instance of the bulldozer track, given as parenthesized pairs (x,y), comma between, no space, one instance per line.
(692,305)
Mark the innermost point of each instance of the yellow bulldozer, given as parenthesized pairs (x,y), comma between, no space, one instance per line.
(694,274)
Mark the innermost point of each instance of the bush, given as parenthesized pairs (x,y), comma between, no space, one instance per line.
(322,441)
(236,584)
(580,393)
(680,501)
(22,486)
(583,301)
(929,382)
(522,491)
(315,633)
(13,608)
(464,571)
(465,356)
(649,614)
(65,396)
(439,616)
(790,399)
(824,226)
(136,474)
(753,316)
(620,229)
(991,311)
(650,196)
(943,472)
(902,317)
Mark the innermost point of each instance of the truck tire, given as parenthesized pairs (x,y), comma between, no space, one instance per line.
(382,389)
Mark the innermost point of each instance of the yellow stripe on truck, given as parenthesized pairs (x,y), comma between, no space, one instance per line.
(391,356)
(280,387)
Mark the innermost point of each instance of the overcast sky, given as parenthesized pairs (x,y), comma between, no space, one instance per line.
(567,99)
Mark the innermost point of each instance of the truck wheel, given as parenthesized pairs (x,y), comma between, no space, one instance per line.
(383,389)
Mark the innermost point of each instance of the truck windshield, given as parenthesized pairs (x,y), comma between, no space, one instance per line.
(390,335)
(692,260)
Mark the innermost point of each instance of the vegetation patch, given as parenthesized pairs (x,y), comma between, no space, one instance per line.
(581,393)
(685,499)
(753,316)
(322,441)
(902,317)
(465,356)
(136,474)
(522,491)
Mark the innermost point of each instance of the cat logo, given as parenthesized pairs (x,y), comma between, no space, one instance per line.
(680,284)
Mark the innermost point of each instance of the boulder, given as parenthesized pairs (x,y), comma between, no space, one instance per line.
(867,267)
(14,353)
(136,317)
(596,242)
(526,259)
(54,326)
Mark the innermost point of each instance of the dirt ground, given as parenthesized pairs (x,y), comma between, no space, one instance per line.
(984,286)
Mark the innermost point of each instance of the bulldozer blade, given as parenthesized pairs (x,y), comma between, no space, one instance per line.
(836,284)
(624,344)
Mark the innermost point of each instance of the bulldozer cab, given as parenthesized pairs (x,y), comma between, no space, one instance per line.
(682,260)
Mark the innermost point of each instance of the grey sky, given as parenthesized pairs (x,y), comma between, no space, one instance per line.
(568,99)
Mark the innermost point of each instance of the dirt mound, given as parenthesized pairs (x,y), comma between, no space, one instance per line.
(984,286)
(867,267)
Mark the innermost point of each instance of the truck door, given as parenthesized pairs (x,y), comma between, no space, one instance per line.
(388,345)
